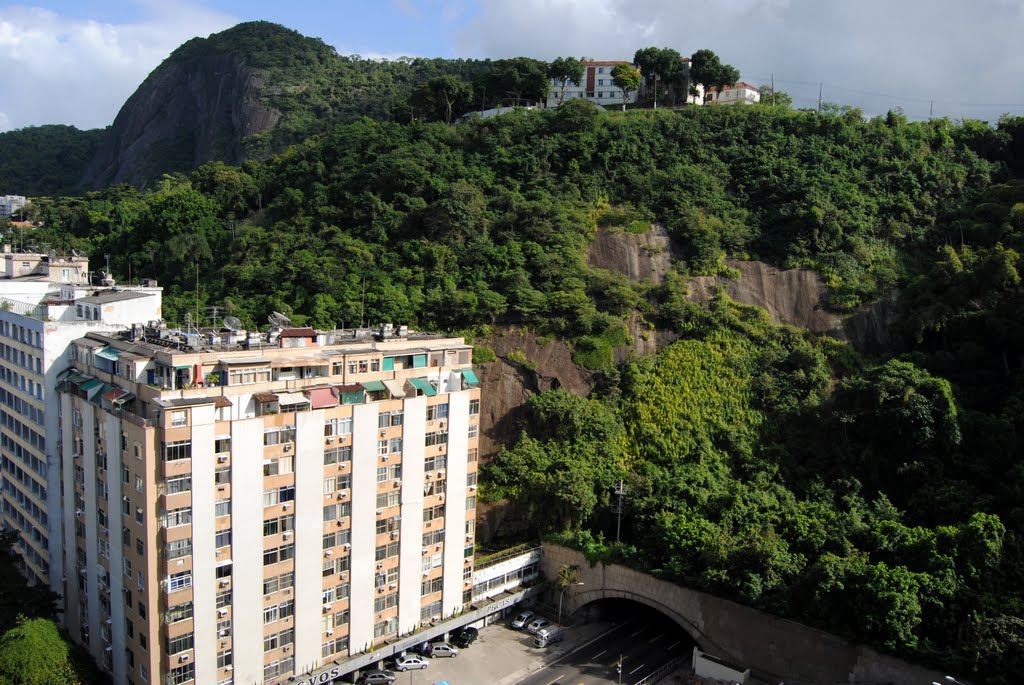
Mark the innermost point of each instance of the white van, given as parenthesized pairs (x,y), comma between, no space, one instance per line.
(548,636)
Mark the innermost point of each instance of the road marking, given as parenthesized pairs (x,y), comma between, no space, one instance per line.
(638,632)
(556,680)
(673,645)
(636,669)
(584,645)
(599,654)
(655,639)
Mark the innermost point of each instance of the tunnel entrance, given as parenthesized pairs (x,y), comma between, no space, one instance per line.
(644,638)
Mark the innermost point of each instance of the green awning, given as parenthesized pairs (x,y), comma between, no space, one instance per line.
(182,367)
(111,353)
(352,396)
(470,377)
(423,385)
(61,387)
(97,395)
(374,386)
(77,378)
(90,384)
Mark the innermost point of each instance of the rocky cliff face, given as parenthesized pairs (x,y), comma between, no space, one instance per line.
(183,115)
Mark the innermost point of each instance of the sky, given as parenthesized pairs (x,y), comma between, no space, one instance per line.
(77,61)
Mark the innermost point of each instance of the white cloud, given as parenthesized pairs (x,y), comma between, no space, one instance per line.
(959,54)
(72,71)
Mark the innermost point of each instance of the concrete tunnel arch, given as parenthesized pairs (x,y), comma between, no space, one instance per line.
(585,597)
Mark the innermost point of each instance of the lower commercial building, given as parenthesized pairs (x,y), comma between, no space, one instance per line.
(264,508)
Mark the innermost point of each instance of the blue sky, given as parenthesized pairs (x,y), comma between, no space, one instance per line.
(77,61)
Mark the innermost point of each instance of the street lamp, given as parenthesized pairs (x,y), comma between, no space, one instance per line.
(562,594)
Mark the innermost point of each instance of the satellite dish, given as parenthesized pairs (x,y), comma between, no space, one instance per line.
(75,253)
(233,323)
(278,319)
(52,254)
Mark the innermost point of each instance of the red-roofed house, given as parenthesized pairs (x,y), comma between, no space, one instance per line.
(597,85)
(739,94)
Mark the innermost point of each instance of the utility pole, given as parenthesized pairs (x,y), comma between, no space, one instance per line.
(931,107)
(819,96)
(620,492)
(618,667)
(773,89)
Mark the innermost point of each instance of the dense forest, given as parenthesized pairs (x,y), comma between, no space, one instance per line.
(877,497)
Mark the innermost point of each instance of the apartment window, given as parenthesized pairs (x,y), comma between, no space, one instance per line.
(278,525)
(274,496)
(436,438)
(178,484)
(179,612)
(224,599)
(474,407)
(345,425)
(278,583)
(179,675)
(222,445)
(387,627)
(278,554)
(330,485)
(338,455)
(248,376)
(437,411)
(472,454)
(278,435)
(431,586)
(474,429)
(224,659)
(334,539)
(276,612)
(223,538)
(389,418)
(470,503)
(222,475)
(175,582)
(180,643)
(179,418)
(334,646)
(336,593)
(178,449)
(435,462)
(386,602)
(224,627)
(382,474)
(388,525)
(392,498)
(177,517)
(434,487)
(179,548)
(435,537)
(222,507)
(471,479)
(382,448)
(278,640)
(278,466)
(431,513)
(431,611)
(334,566)
(334,512)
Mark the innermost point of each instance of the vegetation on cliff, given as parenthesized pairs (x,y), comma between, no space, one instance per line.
(782,470)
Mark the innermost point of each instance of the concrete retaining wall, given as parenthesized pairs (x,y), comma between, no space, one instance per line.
(772,647)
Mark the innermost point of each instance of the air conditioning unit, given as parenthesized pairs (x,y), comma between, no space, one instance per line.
(342,494)
(330,632)
(380,589)
(344,575)
(426,573)
(327,606)
(383,433)
(428,476)
(183,658)
(287,535)
(384,458)
(223,633)
(437,548)
(425,550)
(222,612)
(330,440)
(286,506)
(221,487)
(440,473)
(469,536)
(222,458)
(380,512)
(347,546)
(339,522)
(397,483)
(287,648)
(472,488)
(225,583)
(394,535)
(380,566)
(229,667)
(329,553)
(288,447)
(218,552)
(392,586)
(441,424)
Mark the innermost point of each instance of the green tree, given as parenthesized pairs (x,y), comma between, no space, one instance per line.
(442,97)
(518,79)
(707,70)
(565,70)
(774,98)
(34,653)
(626,77)
(658,64)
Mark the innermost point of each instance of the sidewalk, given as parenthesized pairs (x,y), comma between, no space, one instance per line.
(576,636)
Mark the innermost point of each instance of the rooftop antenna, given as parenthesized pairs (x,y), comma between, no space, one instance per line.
(279,320)
(212,310)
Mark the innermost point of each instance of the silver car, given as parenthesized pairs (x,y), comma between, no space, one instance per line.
(537,624)
(410,662)
(522,619)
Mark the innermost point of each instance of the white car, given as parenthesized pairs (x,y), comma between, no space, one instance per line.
(410,662)
(537,625)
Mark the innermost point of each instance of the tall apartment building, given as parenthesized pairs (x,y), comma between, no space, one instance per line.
(597,85)
(45,303)
(263,508)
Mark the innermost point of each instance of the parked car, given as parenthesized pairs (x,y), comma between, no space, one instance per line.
(410,662)
(378,676)
(537,624)
(522,620)
(465,637)
(439,649)
(548,636)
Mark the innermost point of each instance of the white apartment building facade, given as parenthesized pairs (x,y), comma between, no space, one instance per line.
(11,204)
(597,86)
(738,94)
(44,305)
(259,509)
